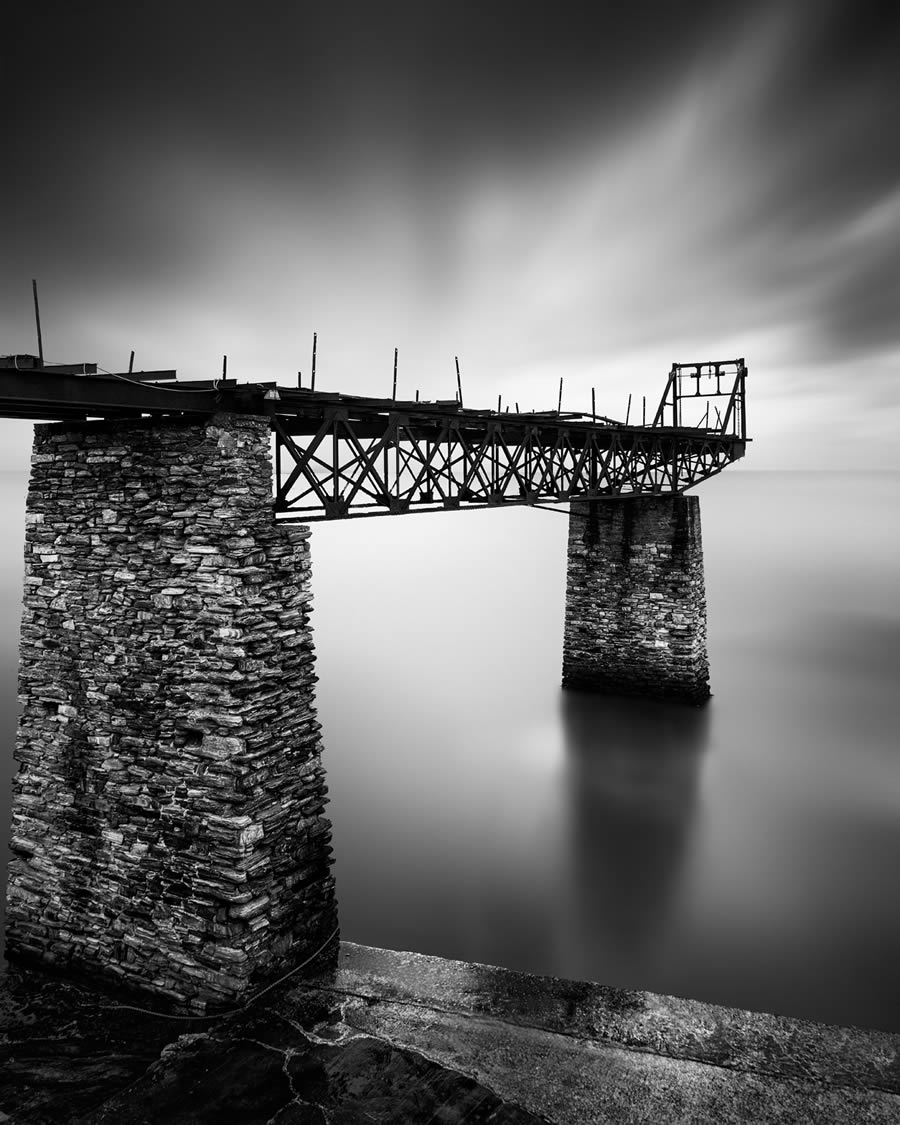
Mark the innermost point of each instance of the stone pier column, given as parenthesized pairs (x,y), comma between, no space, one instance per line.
(635,601)
(168,817)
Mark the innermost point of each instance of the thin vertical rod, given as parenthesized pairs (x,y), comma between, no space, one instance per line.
(37,321)
(559,407)
(458,382)
(394,393)
(131,363)
(278,465)
(628,411)
(593,404)
(313,387)
(644,410)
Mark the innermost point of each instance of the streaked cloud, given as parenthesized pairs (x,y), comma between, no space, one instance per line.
(588,197)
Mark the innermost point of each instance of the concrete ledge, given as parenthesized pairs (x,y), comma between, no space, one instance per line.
(642,1021)
(403,1037)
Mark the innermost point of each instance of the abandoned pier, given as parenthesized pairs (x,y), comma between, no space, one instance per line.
(169,832)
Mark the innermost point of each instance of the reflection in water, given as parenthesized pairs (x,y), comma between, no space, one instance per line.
(632,777)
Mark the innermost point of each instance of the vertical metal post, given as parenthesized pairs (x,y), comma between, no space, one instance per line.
(313,386)
(559,406)
(593,404)
(277,467)
(458,383)
(394,392)
(224,365)
(131,363)
(628,410)
(675,382)
(335,451)
(37,321)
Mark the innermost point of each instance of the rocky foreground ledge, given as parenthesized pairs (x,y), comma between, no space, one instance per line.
(401,1037)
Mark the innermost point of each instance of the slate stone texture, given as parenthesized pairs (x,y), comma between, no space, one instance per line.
(635,599)
(169,832)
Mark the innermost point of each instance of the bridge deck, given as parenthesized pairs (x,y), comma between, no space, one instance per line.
(341,455)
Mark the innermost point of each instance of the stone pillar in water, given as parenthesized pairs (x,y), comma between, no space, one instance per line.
(168,817)
(635,601)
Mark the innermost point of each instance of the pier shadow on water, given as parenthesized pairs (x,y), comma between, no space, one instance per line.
(633,770)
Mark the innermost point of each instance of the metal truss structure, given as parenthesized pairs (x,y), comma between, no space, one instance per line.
(339,456)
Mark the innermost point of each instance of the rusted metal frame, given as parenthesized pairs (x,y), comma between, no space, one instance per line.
(543,461)
(501,469)
(316,486)
(513,469)
(658,463)
(743,378)
(565,455)
(343,473)
(405,458)
(447,467)
(299,456)
(327,468)
(433,470)
(640,456)
(659,417)
(368,464)
(365,458)
(457,453)
(629,472)
(545,464)
(557,459)
(689,465)
(434,446)
(731,404)
(616,472)
(580,462)
(475,462)
(599,473)
(424,465)
(593,475)
(606,479)
(577,476)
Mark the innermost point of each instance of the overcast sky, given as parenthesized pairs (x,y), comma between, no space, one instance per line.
(544,190)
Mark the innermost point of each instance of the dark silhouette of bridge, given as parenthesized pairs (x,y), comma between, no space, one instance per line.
(340,456)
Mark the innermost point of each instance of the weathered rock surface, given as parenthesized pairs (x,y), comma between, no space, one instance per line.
(401,1037)
(168,817)
(635,599)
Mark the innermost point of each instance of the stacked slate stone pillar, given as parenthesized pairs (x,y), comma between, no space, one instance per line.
(168,817)
(635,601)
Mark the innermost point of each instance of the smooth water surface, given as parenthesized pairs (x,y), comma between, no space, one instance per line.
(743,853)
